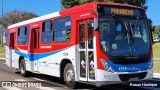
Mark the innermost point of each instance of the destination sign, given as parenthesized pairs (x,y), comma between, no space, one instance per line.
(120,10)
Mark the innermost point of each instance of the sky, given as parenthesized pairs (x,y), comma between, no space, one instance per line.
(43,7)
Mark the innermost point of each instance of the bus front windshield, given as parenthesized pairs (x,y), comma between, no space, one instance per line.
(124,36)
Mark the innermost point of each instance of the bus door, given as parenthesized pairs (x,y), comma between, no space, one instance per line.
(86,54)
(34,49)
(11,62)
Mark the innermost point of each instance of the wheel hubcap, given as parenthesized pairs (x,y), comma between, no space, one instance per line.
(70,76)
(22,68)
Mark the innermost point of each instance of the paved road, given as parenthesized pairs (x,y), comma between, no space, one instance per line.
(52,83)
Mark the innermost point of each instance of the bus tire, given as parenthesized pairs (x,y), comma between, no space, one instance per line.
(22,68)
(69,76)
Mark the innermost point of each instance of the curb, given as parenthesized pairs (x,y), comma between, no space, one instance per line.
(156,75)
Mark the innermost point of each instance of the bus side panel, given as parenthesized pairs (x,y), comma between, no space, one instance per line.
(29,64)
(16,59)
(8,56)
(13,57)
(50,64)
(24,53)
(10,49)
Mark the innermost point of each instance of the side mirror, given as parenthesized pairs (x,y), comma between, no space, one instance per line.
(95,23)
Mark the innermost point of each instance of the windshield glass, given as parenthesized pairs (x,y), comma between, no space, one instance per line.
(124,37)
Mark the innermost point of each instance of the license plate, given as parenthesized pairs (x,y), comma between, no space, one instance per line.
(134,79)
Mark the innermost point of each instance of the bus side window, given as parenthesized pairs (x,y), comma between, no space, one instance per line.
(22,35)
(90,34)
(82,35)
(62,29)
(47,32)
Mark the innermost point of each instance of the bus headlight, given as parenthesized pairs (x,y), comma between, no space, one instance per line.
(151,64)
(107,66)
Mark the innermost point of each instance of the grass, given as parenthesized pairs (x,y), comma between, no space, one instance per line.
(156,50)
(2,52)
(156,67)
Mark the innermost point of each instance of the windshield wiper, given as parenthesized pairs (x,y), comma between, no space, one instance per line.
(130,37)
(135,27)
(131,33)
(127,30)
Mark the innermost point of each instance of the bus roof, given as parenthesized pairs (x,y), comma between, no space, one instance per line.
(68,11)
(35,19)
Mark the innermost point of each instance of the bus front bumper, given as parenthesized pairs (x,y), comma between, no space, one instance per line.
(106,78)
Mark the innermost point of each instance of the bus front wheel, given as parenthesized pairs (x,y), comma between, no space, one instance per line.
(69,76)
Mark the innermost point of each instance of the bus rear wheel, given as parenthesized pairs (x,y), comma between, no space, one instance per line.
(69,76)
(23,70)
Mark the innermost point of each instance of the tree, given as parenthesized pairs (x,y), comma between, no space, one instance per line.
(12,18)
(69,3)
(140,3)
(152,28)
(15,17)
(72,3)
(155,33)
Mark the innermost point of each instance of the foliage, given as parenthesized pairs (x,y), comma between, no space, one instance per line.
(152,28)
(69,3)
(15,17)
(72,3)
(150,24)
(140,3)
(155,32)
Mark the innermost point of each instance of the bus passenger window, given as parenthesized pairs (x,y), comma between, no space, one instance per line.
(47,32)
(62,29)
(82,35)
(90,35)
(22,35)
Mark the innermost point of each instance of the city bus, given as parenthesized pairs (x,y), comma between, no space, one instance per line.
(94,43)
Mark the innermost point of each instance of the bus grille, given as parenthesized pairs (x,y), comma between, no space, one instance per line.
(129,61)
(126,77)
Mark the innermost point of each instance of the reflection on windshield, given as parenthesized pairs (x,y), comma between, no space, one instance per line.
(116,42)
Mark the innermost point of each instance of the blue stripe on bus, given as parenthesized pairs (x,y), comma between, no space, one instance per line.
(36,56)
(129,67)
